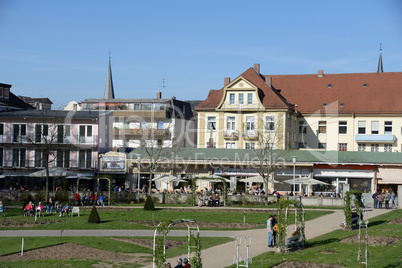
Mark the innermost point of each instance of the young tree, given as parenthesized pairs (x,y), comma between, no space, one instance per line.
(272,140)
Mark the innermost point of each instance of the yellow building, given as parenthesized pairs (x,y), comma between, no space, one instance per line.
(344,112)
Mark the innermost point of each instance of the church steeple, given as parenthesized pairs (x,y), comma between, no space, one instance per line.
(380,68)
(109,91)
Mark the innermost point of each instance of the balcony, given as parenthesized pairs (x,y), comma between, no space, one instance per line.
(250,135)
(231,134)
(140,132)
(375,138)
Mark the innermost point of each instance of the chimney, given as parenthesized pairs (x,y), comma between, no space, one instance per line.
(268,80)
(226,81)
(74,107)
(159,95)
(173,98)
(257,67)
(320,73)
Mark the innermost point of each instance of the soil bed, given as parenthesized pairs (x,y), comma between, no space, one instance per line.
(293,264)
(372,240)
(67,251)
(202,224)
(149,243)
(396,221)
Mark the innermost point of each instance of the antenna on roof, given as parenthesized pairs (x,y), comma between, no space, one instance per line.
(163,86)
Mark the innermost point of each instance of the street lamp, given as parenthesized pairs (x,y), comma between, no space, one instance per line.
(294,175)
(139,176)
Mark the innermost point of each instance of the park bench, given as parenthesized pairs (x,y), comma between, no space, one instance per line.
(75,210)
(293,241)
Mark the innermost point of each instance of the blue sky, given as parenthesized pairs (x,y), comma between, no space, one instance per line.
(59,49)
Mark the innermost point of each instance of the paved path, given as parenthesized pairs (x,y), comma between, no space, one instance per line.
(215,257)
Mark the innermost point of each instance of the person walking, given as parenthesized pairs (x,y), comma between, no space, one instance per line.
(380,199)
(387,197)
(393,196)
(270,229)
(374,196)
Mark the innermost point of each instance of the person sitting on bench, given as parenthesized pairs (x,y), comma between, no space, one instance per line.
(216,200)
(65,209)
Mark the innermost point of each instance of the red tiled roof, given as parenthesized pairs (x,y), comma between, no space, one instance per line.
(382,95)
(270,98)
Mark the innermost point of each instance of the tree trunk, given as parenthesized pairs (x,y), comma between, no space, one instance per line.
(47,184)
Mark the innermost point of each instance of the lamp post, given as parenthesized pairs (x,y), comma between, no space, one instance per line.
(294,175)
(139,176)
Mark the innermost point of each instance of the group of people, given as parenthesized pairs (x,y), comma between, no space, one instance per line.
(181,263)
(208,200)
(89,199)
(52,206)
(380,198)
(271,222)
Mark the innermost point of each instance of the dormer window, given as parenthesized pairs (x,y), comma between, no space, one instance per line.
(329,85)
(6,92)
(1,92)
(365,85)
(324,104)
(341,104)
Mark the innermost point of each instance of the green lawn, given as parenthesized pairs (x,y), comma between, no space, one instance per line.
(345,253)
(124,219)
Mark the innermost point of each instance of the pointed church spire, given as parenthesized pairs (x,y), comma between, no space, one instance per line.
(380,68)
(109,91)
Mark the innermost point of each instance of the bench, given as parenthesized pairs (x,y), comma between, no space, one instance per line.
(293,241)
(75,210)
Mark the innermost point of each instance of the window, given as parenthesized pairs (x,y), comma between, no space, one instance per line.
(343,127)
(341,104)
(322,145)
(1,129)
(250,123)
(232,98)
(41,132)
(39,159)
(322,127)
(136,106)
(85,132)
(361,147)
(342,146)
(388,127)
(230,124)
(19,132)
(250,98)
(160,143)
(375,127)
(230,145)
(302,127)
(1,92)
(250,145)
(362,127)
(211,123)
(241,98)
(1,156)
(269,123)
(63,158)
(302,145)
(85,158)
(365,85)
(63,133)
(160,124)
(146,106)
(329,85)
(375,147)
(19,157)
(387,147)
(143,125)
(6,93)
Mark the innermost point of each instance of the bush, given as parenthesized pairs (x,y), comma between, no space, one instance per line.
(94,216)
(149,204)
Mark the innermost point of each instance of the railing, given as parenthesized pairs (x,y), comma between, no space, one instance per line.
(231,134)
(250,134)
(140,132)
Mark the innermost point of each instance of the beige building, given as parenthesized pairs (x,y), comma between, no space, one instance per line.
(341,112)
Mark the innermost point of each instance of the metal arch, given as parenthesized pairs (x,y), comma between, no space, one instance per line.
(187,221)
(302,231)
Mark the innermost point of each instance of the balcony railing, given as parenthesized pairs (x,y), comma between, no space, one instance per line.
(250,134)
(139,132)
(231,134)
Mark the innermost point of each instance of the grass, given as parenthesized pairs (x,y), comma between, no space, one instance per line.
(125,219)
(344,253)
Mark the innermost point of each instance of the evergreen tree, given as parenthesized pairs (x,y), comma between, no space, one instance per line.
(94,216)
